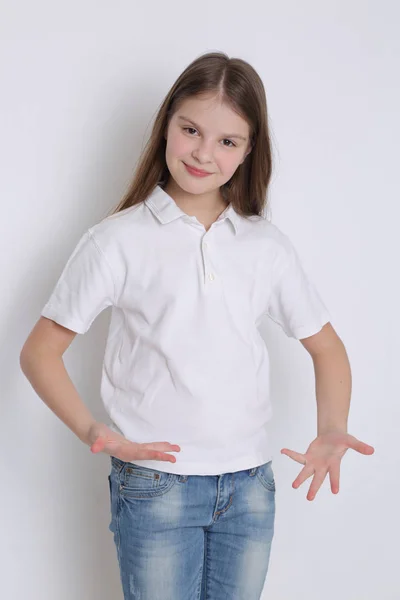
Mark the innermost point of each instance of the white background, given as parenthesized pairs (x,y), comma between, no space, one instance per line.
(80,85)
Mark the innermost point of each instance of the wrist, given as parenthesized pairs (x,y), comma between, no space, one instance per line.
(84,432)
(332,429)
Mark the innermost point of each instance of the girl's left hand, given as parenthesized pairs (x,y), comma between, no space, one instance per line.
(323,456)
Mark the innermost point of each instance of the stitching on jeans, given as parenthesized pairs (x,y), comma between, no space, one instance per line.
(200,588)
(117,523)
(206,567)
(119,464)
(220,512)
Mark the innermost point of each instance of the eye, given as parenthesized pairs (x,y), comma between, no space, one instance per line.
(187,129)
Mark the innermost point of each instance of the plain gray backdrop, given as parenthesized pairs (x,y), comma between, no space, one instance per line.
(81,83)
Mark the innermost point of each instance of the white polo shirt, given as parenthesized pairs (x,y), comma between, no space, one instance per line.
(184,360)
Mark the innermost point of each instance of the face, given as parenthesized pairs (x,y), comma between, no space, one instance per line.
(208,135)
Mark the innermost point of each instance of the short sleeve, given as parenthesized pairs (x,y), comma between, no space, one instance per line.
(295,303)
(84,288)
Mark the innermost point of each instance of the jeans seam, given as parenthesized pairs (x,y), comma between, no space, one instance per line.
(223,510)
(117,525)
(268,485)
(205,564)
(202,571)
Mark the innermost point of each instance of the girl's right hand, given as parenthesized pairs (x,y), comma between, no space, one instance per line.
(103,439)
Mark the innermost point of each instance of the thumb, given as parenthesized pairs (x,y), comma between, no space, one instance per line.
(98,445)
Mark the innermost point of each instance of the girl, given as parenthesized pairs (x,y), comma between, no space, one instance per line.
(190,266)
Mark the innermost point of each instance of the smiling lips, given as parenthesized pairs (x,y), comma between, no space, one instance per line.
(196,172)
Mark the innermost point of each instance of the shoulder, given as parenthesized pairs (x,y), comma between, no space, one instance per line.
(117,229)
(110,242)
(271,244)
(267,233)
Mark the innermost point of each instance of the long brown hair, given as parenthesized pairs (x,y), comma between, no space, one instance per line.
(239,86)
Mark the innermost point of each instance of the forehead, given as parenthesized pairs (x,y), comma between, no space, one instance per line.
(210,113)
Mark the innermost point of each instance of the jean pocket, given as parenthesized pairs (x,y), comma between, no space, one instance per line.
(142,482)
(265,476)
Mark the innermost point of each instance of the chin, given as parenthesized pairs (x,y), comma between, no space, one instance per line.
(192,188)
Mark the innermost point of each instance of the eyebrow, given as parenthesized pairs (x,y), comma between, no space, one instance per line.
(228,135)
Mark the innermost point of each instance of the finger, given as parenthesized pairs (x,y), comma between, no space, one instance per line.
(158,451)
(334,476)
(98,445)
(128,446)
(153,451)
(128,455)
(163,446)
(303,476)
(127,450)
(361,447)
(131,452)
(316,483)
(300,458)
(143,454)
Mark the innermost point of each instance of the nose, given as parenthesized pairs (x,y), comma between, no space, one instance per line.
(203,152)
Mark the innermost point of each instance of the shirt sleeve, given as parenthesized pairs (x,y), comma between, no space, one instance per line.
(295,303)
(84,288)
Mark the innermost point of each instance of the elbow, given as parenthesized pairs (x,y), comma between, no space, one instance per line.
(25,357)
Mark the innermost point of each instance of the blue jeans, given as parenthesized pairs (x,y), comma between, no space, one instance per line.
(192,537)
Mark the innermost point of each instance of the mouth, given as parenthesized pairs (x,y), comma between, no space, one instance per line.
(195,171)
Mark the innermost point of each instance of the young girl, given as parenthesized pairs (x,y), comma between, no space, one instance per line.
(190,265)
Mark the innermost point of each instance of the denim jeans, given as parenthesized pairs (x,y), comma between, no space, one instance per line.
(192,537)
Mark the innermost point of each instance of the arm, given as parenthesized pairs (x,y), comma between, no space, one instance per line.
(332,379)
(42,363)
(333,390)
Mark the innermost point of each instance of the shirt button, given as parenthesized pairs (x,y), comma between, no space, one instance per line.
(211,276)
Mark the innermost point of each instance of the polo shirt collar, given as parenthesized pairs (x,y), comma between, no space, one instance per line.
(164,207)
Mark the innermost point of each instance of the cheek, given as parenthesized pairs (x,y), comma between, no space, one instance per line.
(177,145)
(228,164)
